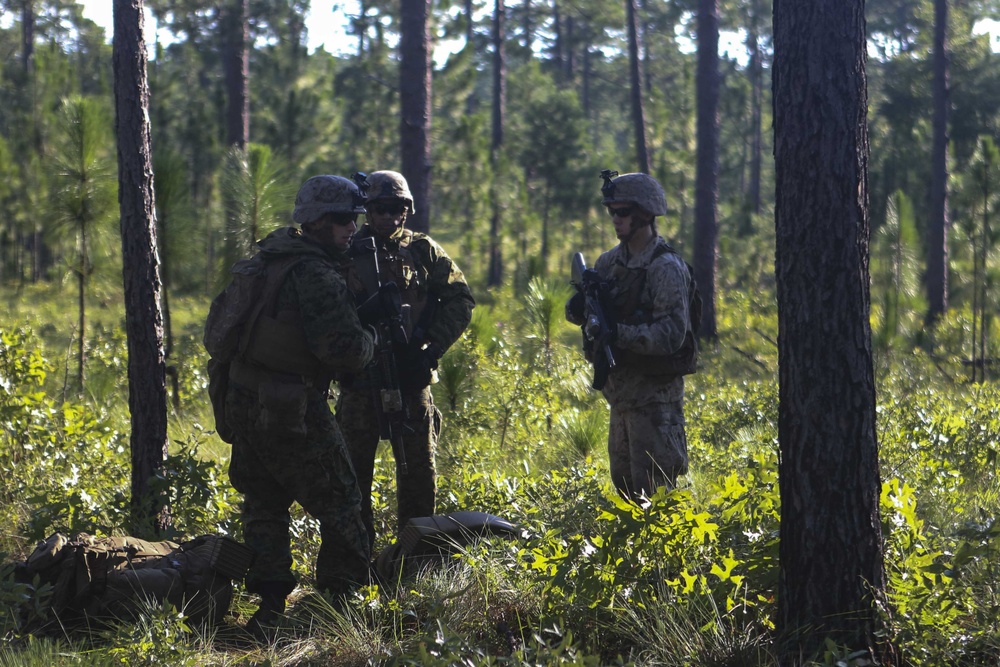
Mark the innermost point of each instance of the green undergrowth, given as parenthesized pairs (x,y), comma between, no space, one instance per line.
(688,578)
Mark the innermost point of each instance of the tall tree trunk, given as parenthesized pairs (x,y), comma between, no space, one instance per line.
(635,77)
(937,242)
(236,63)
(557,41)
(27,35)
(528,28)
(569,59)
(81,325)
(147,394)
(234,28)
(755,68)
(707,163)
(495,275)
(415,107)
(831,572)
(472,102)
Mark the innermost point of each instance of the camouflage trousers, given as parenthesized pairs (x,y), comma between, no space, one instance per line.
(274,470)
(647,447)
(415,491)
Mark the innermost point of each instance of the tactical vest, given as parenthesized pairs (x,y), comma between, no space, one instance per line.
(397,263)
(632,306)
(277,339)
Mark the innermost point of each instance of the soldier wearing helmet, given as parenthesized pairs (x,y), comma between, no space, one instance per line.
(648,307)
(436,309)
(287,446)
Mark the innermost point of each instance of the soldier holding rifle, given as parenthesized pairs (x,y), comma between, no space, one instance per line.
(418,301)
(635,308)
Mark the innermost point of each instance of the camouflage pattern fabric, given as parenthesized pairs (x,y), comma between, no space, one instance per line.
(647,446)
(437,276)
(415,491)
(304,458)
(665,297)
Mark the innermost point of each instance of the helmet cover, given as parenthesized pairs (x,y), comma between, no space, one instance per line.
(389,185)
(324,194)
(640,189)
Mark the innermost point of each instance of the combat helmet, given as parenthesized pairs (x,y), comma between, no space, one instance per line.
(641,189)
(389,185)
(327,194)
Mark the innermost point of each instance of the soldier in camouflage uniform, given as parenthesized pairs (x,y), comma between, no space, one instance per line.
(647,446)
(288,446)
(437,307)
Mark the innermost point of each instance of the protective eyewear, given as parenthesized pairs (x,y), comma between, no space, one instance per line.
(623,212)
(344,219)
(397,208)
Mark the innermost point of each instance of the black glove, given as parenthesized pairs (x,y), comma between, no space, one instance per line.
(575,307)
(416,364)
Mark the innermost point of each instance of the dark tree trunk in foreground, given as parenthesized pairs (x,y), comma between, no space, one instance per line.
(635,77)
(234,38)
(937,240)
(831,572)
(236,65)
(495,275)
(707,167)
(147,390)
(415,107)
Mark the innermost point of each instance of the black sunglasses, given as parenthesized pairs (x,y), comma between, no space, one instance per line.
(343,219)
(398,208)
(622,212)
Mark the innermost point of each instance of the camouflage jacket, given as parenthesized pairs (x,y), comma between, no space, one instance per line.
(663,301)
(429,279)
(314,302)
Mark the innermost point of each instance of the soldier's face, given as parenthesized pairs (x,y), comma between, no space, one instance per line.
(336,231)
(386,215)
(621,216)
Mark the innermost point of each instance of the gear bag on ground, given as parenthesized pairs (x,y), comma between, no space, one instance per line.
(82,580)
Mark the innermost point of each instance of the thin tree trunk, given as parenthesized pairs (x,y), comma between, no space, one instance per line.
(147,397)
(27,36)
(495,275)
(236,62)
(415,107)
(528,28)
(81,311)
(635,78)
(831,578)
(937,244)
(707,167)
(756,70)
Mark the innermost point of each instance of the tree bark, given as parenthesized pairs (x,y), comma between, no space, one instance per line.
(937,242)
(236,64)
(415,107)
(831,571)
(635,78)
(147,395)
(707,163)
(755,68)
(495,275)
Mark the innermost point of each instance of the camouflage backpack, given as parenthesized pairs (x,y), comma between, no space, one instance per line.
(231,319)
(81,580)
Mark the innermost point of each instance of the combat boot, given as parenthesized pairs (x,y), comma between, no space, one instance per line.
(264,622)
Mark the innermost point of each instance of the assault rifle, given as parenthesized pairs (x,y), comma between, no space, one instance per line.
(596,328)
(392,411)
